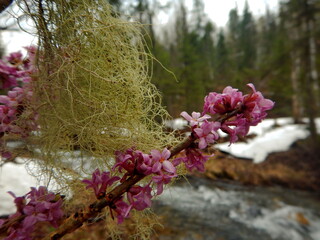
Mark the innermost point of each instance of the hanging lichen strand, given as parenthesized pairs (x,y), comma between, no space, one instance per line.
(93,86)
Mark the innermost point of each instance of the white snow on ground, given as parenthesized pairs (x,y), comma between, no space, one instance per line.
(15,178)
(275,140)
(176,124)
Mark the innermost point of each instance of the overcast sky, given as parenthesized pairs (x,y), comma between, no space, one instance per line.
(218,10)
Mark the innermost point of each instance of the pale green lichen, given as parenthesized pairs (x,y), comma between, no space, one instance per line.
(92,90)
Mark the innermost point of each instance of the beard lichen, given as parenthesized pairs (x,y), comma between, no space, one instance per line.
(93,85)
(92,90)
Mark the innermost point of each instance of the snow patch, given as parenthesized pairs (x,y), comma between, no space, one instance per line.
(15,178)
(176,124)
(276,140)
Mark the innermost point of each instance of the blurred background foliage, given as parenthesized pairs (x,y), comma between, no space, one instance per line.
(277,51)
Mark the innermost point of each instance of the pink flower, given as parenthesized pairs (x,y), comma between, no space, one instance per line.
(8,75)
(38,205)
(207,133)
(235,127)
(255,106)
(34,214)
(195,119)
(140,197)
(100,182)
(144,163)
(251,110)
(20,202)
(12,109)
(122,209)
(160,162)
(161,179)
(222,103)
(125,161)
(14,58)
(133,161)
(43,203)
(193,159)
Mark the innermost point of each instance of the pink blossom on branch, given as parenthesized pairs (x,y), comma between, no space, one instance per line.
(207,133)
(251,109)
(15,74)
(161,162)
(39,205)
(193,159)
(217,103)
(234,114)
(100,182)
(195,119)
(140,197)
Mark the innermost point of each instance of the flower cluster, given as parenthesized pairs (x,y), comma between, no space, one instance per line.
(133,162)
(15,75)
(38,205)
(156,163)
(15,69)
(205,132)
(100,182)
(246,110)
(193,159)
(251,109)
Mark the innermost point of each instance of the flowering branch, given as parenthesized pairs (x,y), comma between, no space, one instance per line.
(76,220)
(231,112)
(15,79)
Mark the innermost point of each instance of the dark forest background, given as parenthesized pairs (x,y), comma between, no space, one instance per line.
(277,51)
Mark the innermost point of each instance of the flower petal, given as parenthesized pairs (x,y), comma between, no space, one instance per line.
(168,167)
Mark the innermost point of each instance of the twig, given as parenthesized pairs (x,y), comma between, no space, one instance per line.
(77,219)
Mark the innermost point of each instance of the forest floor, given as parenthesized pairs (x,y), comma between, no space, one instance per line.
(296,168)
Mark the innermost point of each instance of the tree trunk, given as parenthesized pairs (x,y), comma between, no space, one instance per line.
(296,99)
(310,72)
(295,75)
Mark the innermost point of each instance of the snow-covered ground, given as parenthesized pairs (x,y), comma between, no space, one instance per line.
(15,178)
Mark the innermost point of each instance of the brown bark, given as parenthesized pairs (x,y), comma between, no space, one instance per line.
(296,99)
(310,81)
